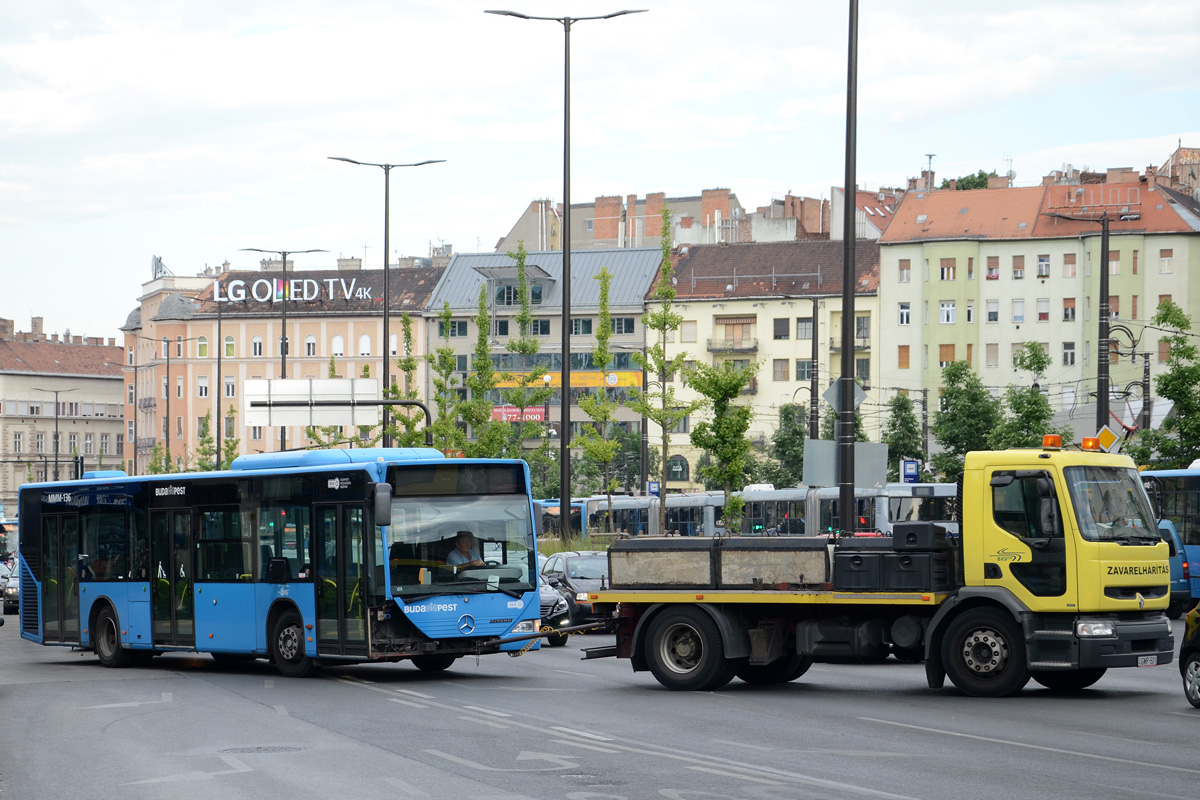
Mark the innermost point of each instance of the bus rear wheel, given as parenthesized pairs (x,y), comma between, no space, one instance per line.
(106,640)
(287,647)
(435,663)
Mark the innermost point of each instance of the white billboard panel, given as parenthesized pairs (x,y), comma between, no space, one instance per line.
(348,392)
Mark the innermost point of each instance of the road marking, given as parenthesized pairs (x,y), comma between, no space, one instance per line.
(737,775)
(584,734)
(597,748)
(408,789)
(166,698)
(487,711)
(1027,746)
(235,765)
(561,762)
(408,703)
(487,722)
(280,710)
(743,744)
(417,694)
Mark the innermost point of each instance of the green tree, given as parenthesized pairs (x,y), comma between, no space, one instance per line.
(594,439)
(530,390)
(406,420)
(966,415)
(206,447)
(902,434)
(787,446)
(1176,444)
(490,436)
(829,422)
(443,363)
(977,181)
(725,436)
(158,464)
(230,445)
(1027,415)
(662,407)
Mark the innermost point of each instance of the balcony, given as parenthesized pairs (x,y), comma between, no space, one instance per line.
(733,345)
(147,402)
(860,343)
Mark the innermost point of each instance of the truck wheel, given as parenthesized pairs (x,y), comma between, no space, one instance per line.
(106,641)
(1191,679)
(1175,610)
(781,670)
(685,652)
(1068,681)
(984,654)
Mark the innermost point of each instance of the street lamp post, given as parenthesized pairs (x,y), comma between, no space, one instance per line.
(56,393)
(284,294)
(565,433)
(387,298)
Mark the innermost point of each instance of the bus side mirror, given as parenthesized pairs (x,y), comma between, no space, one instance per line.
(383,504)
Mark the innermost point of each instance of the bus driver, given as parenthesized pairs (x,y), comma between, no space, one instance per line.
(463,554)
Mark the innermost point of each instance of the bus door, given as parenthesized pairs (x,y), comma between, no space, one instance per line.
(171,609)
(60,580)
(339,553)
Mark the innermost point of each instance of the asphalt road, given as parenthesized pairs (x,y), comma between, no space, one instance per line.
(548,725)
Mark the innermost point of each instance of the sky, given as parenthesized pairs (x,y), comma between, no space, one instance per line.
(191,130)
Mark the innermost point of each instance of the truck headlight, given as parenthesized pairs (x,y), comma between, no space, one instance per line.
(1094,628)
(527,626)
(581,597)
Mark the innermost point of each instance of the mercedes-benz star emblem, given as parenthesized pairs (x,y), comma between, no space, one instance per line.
(466,624)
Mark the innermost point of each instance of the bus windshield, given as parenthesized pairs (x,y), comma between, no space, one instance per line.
(1111,504)
(424,556)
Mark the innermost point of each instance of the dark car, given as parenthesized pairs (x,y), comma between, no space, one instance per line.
(575,573)
(556,612)
(10,588)
(1189,657)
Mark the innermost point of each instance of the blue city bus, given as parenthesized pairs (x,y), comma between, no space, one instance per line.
(1175,495)
(305,558)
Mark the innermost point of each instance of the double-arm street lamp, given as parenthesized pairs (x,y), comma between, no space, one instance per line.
(56,393)
(387,297)
(284,294)
(565,433)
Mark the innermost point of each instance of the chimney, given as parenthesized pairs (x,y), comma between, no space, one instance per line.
(35,326)
(347,264)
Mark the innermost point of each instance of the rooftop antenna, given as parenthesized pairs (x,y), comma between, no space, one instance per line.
(365,246)
(929,171)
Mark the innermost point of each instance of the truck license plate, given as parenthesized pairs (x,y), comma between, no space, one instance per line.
(1147,661)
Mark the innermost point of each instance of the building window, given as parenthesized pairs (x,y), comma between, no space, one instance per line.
(992,355)
(947,269)
(179,428)
(537,327)
(970,311)
(129,357)
(1043,309)
(780,369)
(1114,306)
(902,358)
(970,269)
(256,347)
(284,345)
(179,346)
(905,313)
(947,312)
(1135,262)
(1043,266)
(687,330)
(392,344)
(18,443)
(230,349)
(256,433)
(310,345)
(179,387)
(73,443)
(1068,265)
(166,347)
(1018,265)
(129,393)
(804,370)
(89,444)
(1133,308)
(39,442)
(458,329)
(1068,354)
(460,363)
(993,268)
(230,386)
(1068,309)
(589,224)
(905,273)
(623,325)
(993,310)
(1164,351)
(782,328)
(677,468)
(804,328)
(202,386)
(1114,262)
(945,355)
(683,426)
(1164,260)
(1018,311)
(202,347)
(581,326)
(338,345)
(862,370)
(862,327)
(104,440)
(364,345)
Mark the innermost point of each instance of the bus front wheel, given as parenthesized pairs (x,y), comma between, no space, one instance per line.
(287,646)
(106,640)
(434,663)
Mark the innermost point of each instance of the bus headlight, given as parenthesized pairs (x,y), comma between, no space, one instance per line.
(1093,628)
(527,626)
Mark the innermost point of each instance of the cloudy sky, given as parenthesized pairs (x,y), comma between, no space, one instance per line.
(190,130)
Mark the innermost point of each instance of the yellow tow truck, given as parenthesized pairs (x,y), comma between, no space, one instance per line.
(1056,573)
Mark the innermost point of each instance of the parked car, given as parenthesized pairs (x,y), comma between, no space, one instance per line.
(556,612)
(1189,657)
(1181,579)
(10,587)
(575,573)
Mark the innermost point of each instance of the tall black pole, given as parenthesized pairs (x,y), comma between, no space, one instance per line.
(849,207)
(564,489)
(167,432)
(283,348)
(56,436)
(814,424)
(1102,344)
(218,389)
(387,302)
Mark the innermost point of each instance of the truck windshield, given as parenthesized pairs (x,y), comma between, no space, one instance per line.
(429,553)
(1111,504)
